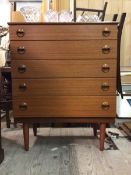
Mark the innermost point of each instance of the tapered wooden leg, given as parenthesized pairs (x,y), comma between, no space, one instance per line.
(102,135)
(94,129)
(7,118)
(1,155)
(35,129)
(26,136)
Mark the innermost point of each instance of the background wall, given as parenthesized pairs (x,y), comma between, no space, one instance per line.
(114,6)
(5,8)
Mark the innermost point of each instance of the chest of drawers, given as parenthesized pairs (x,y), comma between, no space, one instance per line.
(64,72)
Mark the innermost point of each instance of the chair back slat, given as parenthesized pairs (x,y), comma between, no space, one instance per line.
(101,12)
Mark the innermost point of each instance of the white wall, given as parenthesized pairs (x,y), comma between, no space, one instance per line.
(5,9)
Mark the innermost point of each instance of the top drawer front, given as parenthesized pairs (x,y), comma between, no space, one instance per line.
(63,32)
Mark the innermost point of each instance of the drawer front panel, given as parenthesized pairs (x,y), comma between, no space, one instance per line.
(65,106)
(66,86)
(63,32)
(63,68)
(71,50)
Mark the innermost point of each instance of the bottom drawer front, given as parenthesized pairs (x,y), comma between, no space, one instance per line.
(66,106)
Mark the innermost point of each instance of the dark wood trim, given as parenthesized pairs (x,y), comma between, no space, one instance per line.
(90,10)
(115,16)
(32,120)
(61,23)
(104,11)
(74,10)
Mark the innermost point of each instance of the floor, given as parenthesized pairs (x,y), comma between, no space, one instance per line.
(63,151)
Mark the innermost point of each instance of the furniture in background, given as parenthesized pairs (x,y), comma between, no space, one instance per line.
(120,28)
(3,32)
(6,93)
(65,74)
(100,12)
(115,16)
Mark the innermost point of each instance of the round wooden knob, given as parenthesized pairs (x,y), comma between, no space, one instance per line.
(106,49)
(23,106)
(105,86)
(22,69)
(21,50)
(20,33)
(106,32)
(105,68)
(105,105)
(23,87)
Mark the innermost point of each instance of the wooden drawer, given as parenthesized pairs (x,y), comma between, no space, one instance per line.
(91,49)
(63,68)
(64,31)
(65,106)
(65,86)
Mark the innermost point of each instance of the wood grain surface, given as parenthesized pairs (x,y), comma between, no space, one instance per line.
(63,68)
(63,32)
(63,86)
(60,50)
(64,106)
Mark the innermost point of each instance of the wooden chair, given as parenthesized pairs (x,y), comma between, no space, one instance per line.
(120,29)
(100,12)
(115,17)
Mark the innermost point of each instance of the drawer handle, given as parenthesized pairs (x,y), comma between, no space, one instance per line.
(22,69)
(105,105)
(23,106)
(105,68)
(106,49)
(23,87)
(21,50)
(106,32)
(105,86)
(20,33)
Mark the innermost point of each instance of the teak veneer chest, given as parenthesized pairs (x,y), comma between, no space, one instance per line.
(64,72)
